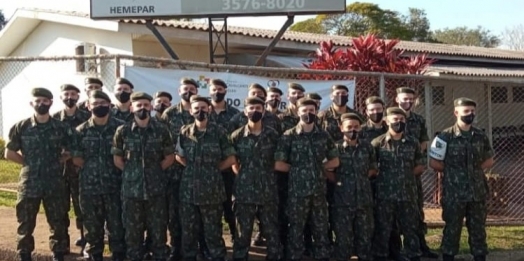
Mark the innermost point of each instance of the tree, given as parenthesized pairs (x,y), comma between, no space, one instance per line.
(417,25)
(466,36)
(513,37)
(3,21)
(310,25)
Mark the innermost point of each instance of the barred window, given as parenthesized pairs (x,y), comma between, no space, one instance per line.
(518,94)
(499,94)
(439,95)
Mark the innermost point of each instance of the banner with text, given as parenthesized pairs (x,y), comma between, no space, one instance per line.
(151,80)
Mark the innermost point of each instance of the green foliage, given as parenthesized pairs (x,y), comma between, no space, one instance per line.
(467,36)
(2,149)
(3,20)
(309,26)
(9,171)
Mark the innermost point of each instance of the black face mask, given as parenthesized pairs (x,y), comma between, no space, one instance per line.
(200,115)
(123,97)
(398,127)
(142,114)
(218,97)
(70,103)
(468,119)
(376,117)
(254,116)
(186,96)
(406,105)
(160,108)
(100,111)
(308,118)
(341,100)
(274,103)
(42,109)
(352,135)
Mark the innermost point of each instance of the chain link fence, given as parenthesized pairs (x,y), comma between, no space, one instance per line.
(498,112)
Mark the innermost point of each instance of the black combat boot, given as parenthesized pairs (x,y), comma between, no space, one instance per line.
(25,257)
(81,241)
(479,258)
(448,258)
(58,256)
(118,256)
(259,240)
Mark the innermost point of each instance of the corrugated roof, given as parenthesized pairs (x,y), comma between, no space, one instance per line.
(475,71)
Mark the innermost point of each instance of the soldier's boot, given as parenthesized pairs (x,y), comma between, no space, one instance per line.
(58,256)
(175,255)
(308,246)
(398,257)
(479,258)
(118,256)
(146,248)
(259,240)
(448,258)
(97,257)
(25,257)
(81,241)
(204,250)
(426,251)
(232,232)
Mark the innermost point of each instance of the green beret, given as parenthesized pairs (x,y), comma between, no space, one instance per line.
(405,90)
(124,81)
(254,101)
(350,116)
(395,111)
(42,92)
(163,94)
(136,96)
(296,86)
(374,99)
(463,101)
(69,87)
(218,82)
(275,90)
(92,80)
(99,95)
(339,87)
(187,81)
(258,87)
(197,98)
(306,101)
(314,96)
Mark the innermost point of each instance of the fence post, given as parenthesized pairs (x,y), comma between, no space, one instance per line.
(382,88)
(117,67)
(490,114)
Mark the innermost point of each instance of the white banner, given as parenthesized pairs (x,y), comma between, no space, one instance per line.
(151,80)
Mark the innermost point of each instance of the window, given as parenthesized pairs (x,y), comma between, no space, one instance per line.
(439,94)
(499,94)
(518,94)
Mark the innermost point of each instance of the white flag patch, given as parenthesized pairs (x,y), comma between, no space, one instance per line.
(438,149)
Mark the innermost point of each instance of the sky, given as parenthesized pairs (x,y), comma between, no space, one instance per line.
(495,15)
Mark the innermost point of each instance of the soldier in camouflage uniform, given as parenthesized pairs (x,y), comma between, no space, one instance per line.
(416,127)
(399,159)
(462,152)
(91,84)
(204,149)
(316,97)
(73,116)
(40,143)
(143,149)
(255,186)
(123,90)
(274,100)
(100,179)
(289,117)
(352,207)
(161,103)
(175,117)
(306,152)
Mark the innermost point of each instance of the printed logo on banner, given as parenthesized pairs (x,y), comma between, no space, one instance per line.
(203,82)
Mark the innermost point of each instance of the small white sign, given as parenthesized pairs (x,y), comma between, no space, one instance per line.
(135,8)
(438,149)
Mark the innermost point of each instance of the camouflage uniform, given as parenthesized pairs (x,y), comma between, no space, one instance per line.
(125,116)
(269,119)
(143,184)
(369,132)
(305,153)
(100,183)
(41,179)
(202,188)
(288,119)
(255,190)
(353,200)
(465,189)
(396,194)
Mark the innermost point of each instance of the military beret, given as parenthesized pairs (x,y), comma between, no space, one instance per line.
(395,111)
(163,94)
(463,101)
(405,90)
(219,83)
(296,86)
(306,101)
(275,90)
(258,87)
(350,116)
(314,96)
(197,98)
(99,95)
(69,87)
(187,80)
(254,101)
(42,92)
(339,87)
(374,99)
(92,80)
(136,96)
(124,81)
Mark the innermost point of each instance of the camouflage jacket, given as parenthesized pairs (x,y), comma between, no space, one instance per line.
(256,180)
(464,179)
(42,145)
(305,152)
(369,132)
(143,149)
(175,117)
(223,118)
(353,188)
(76,119)
(240,119)
(329,121)
(99,175)
(126,116)
(202,182)
(416,127)
(397,160)
(288,119)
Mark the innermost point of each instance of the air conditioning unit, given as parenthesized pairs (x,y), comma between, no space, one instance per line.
(86,65)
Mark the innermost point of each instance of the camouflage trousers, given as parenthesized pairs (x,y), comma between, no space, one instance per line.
(353,227)
(299,209)
(173,204)
(206,218)
(245,214)
(407,215)
(453,214)
(422,224)
(282,184)
(72,180)
(26,213)
(139,215)
(99,211)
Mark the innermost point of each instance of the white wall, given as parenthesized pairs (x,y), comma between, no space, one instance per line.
(50,39)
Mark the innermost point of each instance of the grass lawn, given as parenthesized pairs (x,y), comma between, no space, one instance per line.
(9,171)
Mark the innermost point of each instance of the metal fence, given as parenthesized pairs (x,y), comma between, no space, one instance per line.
(500,103)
